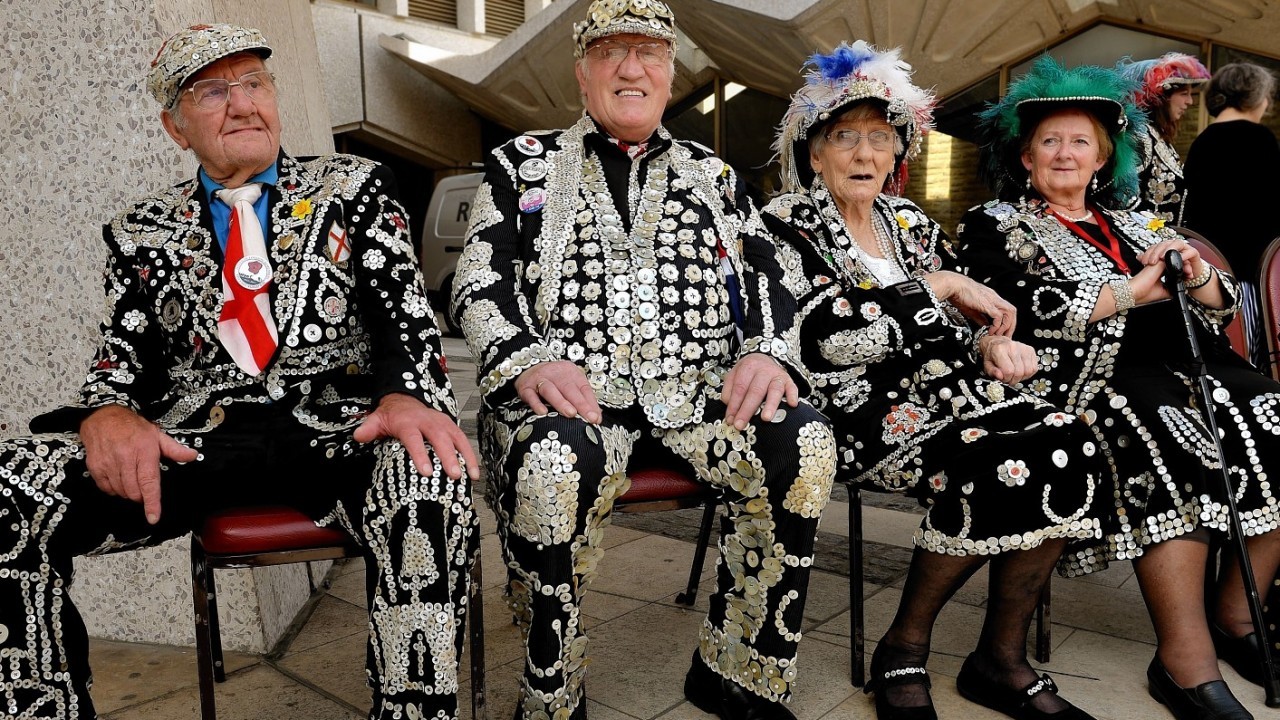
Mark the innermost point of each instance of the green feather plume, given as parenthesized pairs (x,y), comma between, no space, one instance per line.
(1050,86)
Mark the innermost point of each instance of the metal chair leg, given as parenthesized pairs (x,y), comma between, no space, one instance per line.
(215,631)
(201,594)
(690,594)
(475,626)
(857,628)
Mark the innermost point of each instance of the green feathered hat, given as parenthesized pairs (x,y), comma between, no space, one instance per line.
(1048,87)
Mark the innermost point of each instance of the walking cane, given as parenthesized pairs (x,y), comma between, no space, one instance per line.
(1174,281)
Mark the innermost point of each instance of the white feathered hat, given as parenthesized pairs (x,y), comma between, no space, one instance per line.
(850,74)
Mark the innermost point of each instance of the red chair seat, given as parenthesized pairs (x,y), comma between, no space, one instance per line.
(243,531)
(650,484)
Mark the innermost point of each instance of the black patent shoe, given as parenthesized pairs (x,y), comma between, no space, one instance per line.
(883,678)
(978,688)
(1241,653)
(1210,701)
(713,694)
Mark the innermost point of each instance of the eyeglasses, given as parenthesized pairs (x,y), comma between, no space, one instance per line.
(614,52)
(214,93)
(849,139)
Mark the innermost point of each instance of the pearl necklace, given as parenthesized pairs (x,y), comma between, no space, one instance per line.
(1086,217)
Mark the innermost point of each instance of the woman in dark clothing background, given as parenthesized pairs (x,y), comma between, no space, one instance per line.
(1232,182)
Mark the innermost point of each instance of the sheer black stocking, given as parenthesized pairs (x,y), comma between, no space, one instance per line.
(1015,585)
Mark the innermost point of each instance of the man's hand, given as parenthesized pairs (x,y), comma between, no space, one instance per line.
(415,425)
(122,452)
(977,301)
(1007,360)
(563,386)
(756,381)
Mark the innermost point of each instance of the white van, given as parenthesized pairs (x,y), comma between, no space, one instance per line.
(443,231)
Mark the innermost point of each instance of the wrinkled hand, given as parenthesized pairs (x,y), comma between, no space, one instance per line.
(122,452)
(756,381)
(977,301)
(415,425)
(1148,284)
(563,386)
(1007,360)
(1190,256)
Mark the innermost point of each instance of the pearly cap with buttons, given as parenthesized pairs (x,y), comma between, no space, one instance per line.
(624,17)
(189,50)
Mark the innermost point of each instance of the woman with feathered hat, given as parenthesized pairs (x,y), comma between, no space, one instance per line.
(1061,150)
(1165,88)
(896,367)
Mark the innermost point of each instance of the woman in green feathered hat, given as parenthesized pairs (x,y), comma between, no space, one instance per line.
(1060,150)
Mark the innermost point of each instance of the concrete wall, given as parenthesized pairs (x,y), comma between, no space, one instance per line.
(82,137)
(381,99)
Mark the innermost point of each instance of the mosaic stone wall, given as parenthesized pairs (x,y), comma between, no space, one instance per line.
(80,138)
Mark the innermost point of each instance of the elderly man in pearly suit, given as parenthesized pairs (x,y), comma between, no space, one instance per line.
(267,340)
(606,275)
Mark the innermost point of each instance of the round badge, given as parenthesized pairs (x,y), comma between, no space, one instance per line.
(172,312)
(528,145)
(533,199)
(312,333)
(252,272)
(334,306)
(533,169)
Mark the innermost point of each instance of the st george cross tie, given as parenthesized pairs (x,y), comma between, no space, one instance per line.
(246,327)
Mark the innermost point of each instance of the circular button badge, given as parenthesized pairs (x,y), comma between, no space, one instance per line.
(252,272)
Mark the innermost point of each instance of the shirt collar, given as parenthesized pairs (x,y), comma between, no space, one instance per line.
(599,137)
(211,186)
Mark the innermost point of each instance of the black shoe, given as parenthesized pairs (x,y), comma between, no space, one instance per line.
(977,688)
(883,678)
(1211,701)
(1241,653)
(716,695)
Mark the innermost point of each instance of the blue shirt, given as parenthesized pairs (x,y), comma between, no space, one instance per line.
(222,212)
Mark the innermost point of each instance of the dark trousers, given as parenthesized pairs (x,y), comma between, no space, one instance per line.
(417,534)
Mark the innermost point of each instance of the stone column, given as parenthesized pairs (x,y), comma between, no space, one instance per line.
(83,137)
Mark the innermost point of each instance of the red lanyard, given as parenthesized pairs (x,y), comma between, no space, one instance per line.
(1112,252)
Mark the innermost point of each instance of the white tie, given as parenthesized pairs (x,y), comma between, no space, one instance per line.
(246,327)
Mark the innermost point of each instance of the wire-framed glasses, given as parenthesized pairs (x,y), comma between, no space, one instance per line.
(846,139)
(213,93)
(614,52)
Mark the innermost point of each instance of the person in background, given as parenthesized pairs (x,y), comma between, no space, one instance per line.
(1166,87)
(1232,183)
(920,402)
(1060,151)
(266,342)
(622,299)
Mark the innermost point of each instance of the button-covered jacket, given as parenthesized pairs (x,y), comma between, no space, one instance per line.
(551,271)
(353,319)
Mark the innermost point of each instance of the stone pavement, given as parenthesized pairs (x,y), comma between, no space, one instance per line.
(642,640)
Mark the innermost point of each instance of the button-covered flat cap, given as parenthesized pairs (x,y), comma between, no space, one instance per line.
(189,50)
(622,17)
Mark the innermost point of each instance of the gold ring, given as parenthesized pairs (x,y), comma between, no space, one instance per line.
(538,387)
